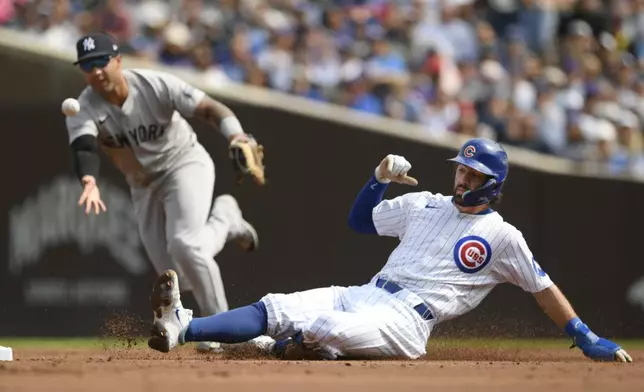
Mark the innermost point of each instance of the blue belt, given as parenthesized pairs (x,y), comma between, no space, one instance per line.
(393,288)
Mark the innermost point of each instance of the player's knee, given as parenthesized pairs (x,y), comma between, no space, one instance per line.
(325,329)
(181,250)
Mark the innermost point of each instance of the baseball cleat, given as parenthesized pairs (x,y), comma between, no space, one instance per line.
(248,240)
(170,318)
(209,348)
(241,231)
(264,343)
(293,348)
(278,348)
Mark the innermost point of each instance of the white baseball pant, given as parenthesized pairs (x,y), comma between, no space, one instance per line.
(356,322)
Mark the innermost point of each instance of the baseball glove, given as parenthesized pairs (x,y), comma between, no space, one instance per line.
(248,159)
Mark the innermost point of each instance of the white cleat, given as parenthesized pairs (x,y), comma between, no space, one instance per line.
(264,343)
(209,348)
(170,318)
(241,231)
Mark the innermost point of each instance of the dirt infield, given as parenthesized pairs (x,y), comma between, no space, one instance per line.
(121,369)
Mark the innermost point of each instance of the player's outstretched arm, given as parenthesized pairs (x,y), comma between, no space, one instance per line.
(86,163)
(190,101)
(219,116)
(83,133)
(360,216)
(247,155)
(558,308)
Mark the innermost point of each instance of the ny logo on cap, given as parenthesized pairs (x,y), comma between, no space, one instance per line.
(88,44)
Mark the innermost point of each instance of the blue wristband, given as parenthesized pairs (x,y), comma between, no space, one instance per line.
(577,330)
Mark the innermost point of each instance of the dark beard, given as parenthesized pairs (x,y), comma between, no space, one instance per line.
(458,199)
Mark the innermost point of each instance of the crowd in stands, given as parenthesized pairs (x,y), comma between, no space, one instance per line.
(562,77)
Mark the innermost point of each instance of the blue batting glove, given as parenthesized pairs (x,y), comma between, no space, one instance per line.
(594,347)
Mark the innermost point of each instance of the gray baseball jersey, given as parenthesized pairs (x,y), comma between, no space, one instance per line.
(148,134)
(171,175)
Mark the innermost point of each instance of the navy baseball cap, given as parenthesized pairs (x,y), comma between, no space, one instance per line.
(95,45)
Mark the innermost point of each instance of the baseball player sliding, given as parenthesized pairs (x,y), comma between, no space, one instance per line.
(138,117)
(453,250)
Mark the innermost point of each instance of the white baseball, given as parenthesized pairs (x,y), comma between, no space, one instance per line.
(71,107)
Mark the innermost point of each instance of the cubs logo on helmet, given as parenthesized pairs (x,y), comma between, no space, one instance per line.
(469,151)
(472,254)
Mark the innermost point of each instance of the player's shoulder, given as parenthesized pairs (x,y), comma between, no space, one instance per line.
(423,199)
(510,232)
(150,75)
(147,81)
(156,82)
(139,75)
(86,97)
(145,72)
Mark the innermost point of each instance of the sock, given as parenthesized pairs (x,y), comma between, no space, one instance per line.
(235,326)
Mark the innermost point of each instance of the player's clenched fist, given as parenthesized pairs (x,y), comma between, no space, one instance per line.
(394,168)
(91,196)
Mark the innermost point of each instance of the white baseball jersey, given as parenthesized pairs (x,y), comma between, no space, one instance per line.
(450,259)
(148,134)
(446,259)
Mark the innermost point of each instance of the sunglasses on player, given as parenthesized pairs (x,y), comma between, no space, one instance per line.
(97,62)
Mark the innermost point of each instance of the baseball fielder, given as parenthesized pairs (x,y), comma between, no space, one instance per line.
(453,250)
(138,118)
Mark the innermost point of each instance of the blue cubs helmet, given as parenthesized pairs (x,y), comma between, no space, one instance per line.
(488,157)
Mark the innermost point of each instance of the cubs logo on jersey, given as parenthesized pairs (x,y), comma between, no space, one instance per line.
(472,254)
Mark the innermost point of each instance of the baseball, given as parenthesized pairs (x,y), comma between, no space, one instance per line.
(71,107)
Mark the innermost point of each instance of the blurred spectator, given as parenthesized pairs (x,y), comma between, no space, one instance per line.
(237,59)
(210,74)
(303,88)
(468,123)
(627,155)
(277,61)
(359,95)
(112,18)
(399,104)
(11,9)
(384,60)
(551,120)
(176,43)
(562,77)
(441,113)
(58,28)
(591,12)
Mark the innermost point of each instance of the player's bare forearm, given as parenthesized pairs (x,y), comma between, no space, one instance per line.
(214,112)
(556,305)
(244,150)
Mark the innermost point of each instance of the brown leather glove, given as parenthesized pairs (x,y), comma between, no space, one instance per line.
(248,159)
